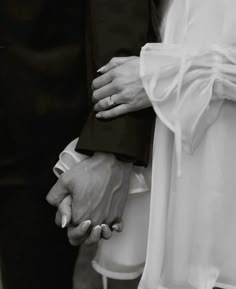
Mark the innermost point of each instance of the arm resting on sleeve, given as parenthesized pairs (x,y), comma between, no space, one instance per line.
(117,28)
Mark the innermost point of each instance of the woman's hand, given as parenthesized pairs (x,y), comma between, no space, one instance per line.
(119,89)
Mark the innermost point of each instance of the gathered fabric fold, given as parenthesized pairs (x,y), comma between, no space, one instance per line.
(187,87)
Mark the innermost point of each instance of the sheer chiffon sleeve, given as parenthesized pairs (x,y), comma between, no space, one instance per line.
(187,87)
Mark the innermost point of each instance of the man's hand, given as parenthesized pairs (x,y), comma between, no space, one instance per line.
(78,233)
(119,90)
(98,187)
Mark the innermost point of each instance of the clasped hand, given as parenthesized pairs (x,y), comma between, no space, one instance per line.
(91,196)
(93,192)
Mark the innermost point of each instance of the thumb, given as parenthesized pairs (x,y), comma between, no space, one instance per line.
(57,193)
(113,63)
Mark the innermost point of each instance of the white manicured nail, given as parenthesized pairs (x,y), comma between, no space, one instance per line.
(86,225)
(64,221)
(101,69)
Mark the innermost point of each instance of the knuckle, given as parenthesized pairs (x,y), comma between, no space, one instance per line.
(112,74)
(115,73)
(117,84)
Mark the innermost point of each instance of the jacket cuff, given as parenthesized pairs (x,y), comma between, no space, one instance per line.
(128,137)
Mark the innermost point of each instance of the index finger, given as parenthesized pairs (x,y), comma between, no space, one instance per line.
(114,62)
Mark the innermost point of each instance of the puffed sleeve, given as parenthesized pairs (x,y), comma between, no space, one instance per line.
(187,87)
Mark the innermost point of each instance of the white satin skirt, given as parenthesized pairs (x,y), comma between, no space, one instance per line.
(192,231)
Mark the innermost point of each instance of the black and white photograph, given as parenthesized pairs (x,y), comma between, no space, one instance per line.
(117,146)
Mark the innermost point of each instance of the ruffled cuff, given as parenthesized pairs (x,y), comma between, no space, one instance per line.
(187,87)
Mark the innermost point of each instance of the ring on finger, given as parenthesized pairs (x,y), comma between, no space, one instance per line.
(110,101)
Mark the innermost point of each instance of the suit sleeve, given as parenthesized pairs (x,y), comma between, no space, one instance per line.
(117,28)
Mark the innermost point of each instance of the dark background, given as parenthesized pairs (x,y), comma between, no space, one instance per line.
(86,278)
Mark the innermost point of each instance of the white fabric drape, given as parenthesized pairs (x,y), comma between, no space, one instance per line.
(191,81)
(188,86)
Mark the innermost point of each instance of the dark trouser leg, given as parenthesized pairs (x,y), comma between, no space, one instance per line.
(35,254)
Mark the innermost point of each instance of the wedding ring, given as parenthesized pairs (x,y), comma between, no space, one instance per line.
(110,102)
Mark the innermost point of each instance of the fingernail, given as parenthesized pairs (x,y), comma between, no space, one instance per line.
(116,228)
(98,115)
(104,228)
(101,69)
(64,221)
(86,225)
(106,232)
(97,230)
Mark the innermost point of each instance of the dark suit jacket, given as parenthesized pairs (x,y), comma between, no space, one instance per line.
(51,52)
(117,28)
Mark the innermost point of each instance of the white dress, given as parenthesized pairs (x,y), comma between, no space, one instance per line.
(191,81)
